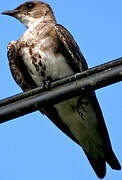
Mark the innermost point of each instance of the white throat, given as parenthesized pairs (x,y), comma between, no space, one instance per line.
(29,21)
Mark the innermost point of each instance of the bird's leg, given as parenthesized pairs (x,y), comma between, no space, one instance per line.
(46,84)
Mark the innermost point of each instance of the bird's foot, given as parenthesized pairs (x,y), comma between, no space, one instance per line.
(46,85)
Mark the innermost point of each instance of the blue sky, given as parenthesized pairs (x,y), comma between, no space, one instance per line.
(31,147)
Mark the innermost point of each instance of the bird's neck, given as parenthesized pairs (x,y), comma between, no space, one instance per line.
(31,21)
(38,30)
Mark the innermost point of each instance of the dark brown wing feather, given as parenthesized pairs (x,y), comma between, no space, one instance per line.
(110,158)
(18,69)
(76,59)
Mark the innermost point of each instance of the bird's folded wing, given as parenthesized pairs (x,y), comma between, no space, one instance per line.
(77,60)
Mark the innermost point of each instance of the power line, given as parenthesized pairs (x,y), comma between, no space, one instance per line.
(69,87)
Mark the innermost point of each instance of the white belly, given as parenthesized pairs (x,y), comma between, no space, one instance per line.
(55,66)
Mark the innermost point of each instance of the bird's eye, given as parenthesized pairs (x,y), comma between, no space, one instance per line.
(30,5)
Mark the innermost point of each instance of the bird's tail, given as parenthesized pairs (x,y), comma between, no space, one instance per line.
(81,119)
(99,164)
(113,161)
(104,153)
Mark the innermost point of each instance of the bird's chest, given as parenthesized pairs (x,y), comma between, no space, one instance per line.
(43,63)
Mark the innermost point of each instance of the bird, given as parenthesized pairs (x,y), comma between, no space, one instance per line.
(47,52)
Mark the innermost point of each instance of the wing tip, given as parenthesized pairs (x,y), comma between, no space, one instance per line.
(98,165)
(113,161)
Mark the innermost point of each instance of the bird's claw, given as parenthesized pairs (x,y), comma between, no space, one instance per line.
(46,84)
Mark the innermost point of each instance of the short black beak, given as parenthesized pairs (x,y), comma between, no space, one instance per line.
(10,13)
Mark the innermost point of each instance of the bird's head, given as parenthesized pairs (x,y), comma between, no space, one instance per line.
(31,12)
